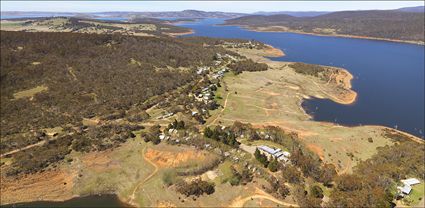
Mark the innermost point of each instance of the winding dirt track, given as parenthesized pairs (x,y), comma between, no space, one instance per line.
(24,148)
(259,194)
(224,107)
(140,184)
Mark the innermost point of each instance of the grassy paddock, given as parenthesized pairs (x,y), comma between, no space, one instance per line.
(273,97)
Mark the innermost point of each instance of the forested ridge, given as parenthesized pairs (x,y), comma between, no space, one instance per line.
(397,25)
(55,82)
(86,75)
(136,26)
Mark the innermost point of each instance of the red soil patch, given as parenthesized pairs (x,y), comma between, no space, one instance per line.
(174,159)
(54,185)
(316,149)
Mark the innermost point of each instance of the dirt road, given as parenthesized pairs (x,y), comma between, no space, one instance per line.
(140,184)
(222,110)
(259,194)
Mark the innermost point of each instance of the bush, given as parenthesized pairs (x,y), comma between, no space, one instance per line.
(273,165)
(169,177)
(261,157)
(316,191)
(247,65)
(238,178)
(195,188)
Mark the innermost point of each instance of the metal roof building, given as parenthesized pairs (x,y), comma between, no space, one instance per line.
(410,181)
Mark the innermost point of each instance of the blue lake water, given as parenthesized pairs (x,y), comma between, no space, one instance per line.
(94,201)
(389,76)
(122,19)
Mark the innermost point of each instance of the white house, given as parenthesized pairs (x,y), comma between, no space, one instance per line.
(407,188)
(267,150)
(410,181)
(275,153)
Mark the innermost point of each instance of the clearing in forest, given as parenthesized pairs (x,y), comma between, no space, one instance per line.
(30,92)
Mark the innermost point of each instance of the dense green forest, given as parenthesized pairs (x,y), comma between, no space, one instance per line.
(378,24)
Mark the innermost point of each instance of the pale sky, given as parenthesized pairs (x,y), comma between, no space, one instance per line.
(227,6)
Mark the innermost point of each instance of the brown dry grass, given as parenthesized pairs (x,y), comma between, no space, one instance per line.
(165,204)
(174,159)
(99,161)
(316,149)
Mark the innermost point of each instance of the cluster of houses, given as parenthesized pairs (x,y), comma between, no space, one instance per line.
(206,94)
(407,186)
(220,73)
(220,58)
(248,44)
(280,155)
(202,69)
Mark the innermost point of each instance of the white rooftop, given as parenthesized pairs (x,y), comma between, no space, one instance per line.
(405,189)
(268,149)
(278,154)
(410,181)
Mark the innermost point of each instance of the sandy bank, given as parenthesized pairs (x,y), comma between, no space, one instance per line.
(181,33)
(55,185)
(271,51)
(337,88)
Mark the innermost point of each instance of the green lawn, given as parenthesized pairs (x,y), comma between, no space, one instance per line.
(224,172)
(11,24)
(417,193)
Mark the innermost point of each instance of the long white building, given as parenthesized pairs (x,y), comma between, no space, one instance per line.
(275,153)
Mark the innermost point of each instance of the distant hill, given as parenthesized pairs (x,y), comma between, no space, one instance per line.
(385,24)
(412,9)
(295,14)
(169,14)
(190,14)
(138,26)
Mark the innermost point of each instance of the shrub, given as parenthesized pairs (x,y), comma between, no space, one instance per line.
(195,188)
(169,177)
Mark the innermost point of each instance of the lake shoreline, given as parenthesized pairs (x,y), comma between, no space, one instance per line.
(280,29)
(191,31)
(345,77)
(345,100)
(112,198)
